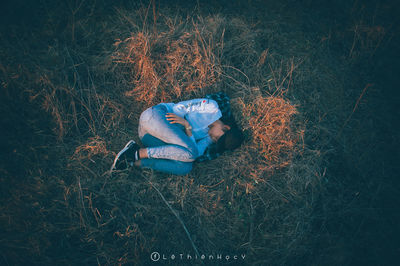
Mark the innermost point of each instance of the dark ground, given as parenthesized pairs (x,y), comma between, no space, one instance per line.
(358,217)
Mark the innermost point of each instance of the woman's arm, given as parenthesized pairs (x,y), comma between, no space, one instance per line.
(175,119)
(202,144)
(188,129)
(199,112)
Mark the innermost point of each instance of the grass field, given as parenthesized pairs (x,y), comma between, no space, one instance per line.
(314,87)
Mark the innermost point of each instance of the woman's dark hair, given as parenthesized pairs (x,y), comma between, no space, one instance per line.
(232,139)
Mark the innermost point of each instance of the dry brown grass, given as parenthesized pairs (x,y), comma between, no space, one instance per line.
(269,120)
(73,111)
(95,146)
(253,200)
(182,62)
(219,198)
(167,65)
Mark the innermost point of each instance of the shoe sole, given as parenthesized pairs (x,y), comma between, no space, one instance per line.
(119,154)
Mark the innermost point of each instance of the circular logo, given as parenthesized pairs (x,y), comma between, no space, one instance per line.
(155,256)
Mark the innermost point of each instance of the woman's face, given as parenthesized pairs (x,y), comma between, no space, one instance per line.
(217,129)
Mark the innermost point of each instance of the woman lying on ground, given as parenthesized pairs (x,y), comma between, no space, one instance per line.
(176,135)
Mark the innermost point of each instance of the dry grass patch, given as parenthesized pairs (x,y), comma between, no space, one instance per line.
(227,203)
(167,65)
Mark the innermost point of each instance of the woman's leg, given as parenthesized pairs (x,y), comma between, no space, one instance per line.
(178,146)
(162,165)
(151,141)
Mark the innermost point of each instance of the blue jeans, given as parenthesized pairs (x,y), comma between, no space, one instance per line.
(169,149)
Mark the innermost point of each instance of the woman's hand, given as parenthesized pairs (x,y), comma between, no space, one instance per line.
(173,118)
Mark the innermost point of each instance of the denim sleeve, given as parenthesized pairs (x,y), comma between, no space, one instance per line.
(199,105)
(199,112)
(193,139)
(184,107)
(203,144)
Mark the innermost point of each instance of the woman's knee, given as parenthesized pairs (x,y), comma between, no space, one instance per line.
(146,116)
(145,121)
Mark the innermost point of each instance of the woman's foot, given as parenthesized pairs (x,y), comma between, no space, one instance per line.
(126,157)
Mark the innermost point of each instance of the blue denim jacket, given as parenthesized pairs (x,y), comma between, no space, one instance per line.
(224,105)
